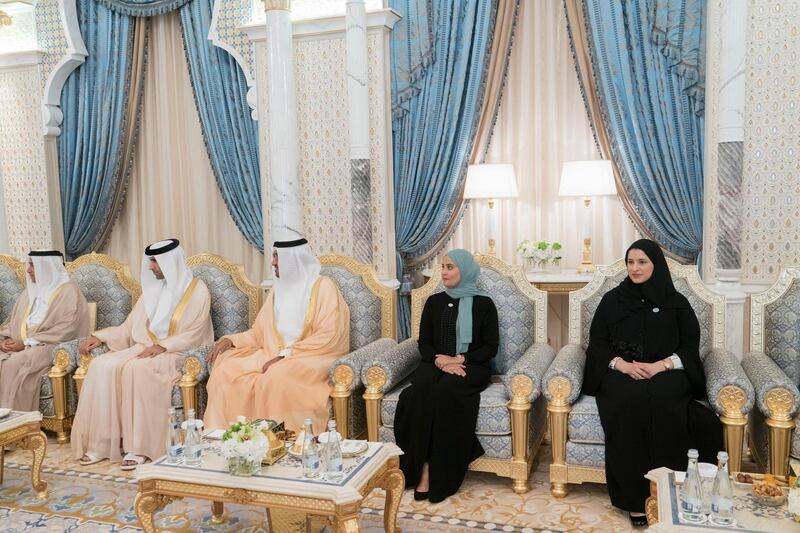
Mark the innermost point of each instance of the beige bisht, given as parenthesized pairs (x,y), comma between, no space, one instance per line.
(125,398)
(306,322)
(50,311)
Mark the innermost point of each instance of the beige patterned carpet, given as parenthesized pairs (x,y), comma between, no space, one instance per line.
(485,502)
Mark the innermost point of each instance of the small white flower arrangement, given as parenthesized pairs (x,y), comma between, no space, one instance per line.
(244,446)
(538,255)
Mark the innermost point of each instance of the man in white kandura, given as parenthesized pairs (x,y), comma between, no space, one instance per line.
(127,392)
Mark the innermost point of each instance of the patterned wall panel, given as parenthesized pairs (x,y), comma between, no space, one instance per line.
(379,125)
(324,166)
(22,167)
(771,188)
(229,16)
(50,35)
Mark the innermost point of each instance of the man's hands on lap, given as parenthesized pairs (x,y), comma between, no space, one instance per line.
(88,344)
(12,345)
(220,346)
(151,351)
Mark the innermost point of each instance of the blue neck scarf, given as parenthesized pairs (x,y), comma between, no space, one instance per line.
(463,292)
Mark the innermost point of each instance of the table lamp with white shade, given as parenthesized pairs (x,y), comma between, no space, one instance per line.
(491,181)
(587,179)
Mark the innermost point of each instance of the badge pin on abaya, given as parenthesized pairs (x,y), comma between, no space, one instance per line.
(450,305)
(656,309)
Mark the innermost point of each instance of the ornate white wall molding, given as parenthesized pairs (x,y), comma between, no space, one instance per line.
(75,55)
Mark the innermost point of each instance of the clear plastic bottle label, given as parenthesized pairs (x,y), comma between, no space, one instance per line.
(335,465)
(690,504)
(176,449)
(194,452)
(721,505)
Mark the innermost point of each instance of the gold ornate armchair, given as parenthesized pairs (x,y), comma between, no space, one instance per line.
(109,285)
(576,434)
(12,282)
(372,332)
(773,366)
(511,417)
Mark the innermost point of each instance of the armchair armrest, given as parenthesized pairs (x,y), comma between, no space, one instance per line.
(776,395)
(389,369)
(729,391)
(194,363)
(524,378)
(66,356)
(566,371)
(345,373)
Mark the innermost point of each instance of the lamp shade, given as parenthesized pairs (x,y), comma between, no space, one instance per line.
(491,181)
(587,178)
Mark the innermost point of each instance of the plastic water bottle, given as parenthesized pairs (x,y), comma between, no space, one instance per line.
(334,470)
(174,444)
(193,447)
(312,465)
(722,494)
(692,491)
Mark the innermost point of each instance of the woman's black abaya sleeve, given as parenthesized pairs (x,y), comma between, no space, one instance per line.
(425,341)
(599,352)
(688,351)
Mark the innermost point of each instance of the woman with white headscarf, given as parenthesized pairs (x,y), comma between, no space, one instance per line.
(50,311)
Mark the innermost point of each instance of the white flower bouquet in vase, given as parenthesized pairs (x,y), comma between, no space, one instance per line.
(244,446)
(539,256)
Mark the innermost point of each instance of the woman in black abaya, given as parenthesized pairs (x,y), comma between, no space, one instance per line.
(436,416)
(644,369)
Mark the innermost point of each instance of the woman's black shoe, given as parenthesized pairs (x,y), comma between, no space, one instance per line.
(419,496)
(638,521)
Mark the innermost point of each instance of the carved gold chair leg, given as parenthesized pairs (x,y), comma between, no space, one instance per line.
(376,379)
(188,385)
(558,413)
(58,380)
(520,409)
(780,441)
(732,399)
(343,378)
(81,371)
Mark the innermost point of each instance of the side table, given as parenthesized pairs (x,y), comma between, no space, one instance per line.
(25,430)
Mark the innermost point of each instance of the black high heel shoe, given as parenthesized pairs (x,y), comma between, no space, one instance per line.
(638,521)
(419,496)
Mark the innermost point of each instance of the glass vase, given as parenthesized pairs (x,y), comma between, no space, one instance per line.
(243,466)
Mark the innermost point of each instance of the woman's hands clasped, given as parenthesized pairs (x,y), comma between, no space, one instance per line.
(638,370)
(451,364)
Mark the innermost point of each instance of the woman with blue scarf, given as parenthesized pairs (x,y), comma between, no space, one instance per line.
(436,415)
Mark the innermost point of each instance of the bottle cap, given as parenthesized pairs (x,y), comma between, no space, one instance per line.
(722,456)
(307,422)
(331,424)
(693,454)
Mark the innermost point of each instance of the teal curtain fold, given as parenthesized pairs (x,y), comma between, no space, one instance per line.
(142,8)
(649,110)
(94,105)
(412,50)
(434,124)
(229,132)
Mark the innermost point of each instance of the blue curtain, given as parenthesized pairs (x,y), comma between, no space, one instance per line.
(94,103)
(230,134)
(143,8)
(648,99)
(434,123)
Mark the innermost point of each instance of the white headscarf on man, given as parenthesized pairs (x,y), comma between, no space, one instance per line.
(161,296)
(298,272)
(50,275)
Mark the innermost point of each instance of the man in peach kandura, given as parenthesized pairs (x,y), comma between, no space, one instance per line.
(279,368)
(51,310)
(128,391)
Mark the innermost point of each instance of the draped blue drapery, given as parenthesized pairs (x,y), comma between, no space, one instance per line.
(435,119)
(412,51)
(143,8)
(649,111)
(94,103)
(230,134)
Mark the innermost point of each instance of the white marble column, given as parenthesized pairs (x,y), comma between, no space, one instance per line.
(730,154)
(286,207)
(358,122)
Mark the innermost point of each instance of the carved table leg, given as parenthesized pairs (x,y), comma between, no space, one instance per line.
(217,512)
(651,505)
(346,525)
(36,443)
(393,483)
(146,504)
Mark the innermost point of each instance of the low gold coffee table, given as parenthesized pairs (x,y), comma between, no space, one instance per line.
(279,486)
(662,510)
(25,430)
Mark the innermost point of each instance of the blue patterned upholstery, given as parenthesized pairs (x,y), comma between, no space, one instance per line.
(583,425)
(10,289)
(230,306)
(102,286)
(569,363)
(365,306)
(782,332)
(580,454)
